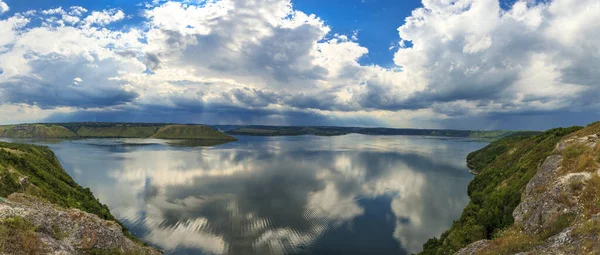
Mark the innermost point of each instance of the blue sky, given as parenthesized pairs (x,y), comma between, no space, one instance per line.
(376,21)
(483,64)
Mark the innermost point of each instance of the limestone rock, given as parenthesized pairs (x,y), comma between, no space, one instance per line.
(547,197)
(554,195)
(70,231)
(474,248)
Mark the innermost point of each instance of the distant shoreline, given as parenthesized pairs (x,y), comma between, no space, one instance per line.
(101,130)
(337,131)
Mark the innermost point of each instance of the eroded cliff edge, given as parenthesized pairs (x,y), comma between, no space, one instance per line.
(43,211)
(532,195)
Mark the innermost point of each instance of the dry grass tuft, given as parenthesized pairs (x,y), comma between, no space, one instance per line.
(579,158)
(590,227)
(574,150)
(13,151)
(590,198)
(591,129)
(597,149)
(558,225)
(511,241)
(17,236)
(22,198)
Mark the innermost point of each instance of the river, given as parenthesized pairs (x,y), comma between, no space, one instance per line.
(352,194)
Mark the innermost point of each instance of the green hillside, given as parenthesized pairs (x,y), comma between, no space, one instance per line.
(35,170)
(199,132)
(504,168)
(112,130)
(36,131)
(117,131)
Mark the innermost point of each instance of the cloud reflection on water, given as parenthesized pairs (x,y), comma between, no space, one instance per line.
(277,195)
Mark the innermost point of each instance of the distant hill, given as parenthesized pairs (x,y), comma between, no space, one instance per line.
(334,131)
(189,132)
(36,131)
(113,130)
(221,133)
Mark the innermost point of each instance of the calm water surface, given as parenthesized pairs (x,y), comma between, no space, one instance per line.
(350,194)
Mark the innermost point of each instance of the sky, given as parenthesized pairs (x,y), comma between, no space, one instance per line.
(462,64)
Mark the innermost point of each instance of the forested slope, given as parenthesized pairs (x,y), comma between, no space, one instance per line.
(504,169)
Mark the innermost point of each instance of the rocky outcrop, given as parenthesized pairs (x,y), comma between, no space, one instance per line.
(473,248)
(580,238)
(547,197)
(67,231)
(559,208)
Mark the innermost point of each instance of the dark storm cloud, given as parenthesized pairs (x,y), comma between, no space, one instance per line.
(261,98)
(198,112)
(379,97)
(252,97)
(530,120)
(67,81)
(33,91)
(584,72)
(321,101)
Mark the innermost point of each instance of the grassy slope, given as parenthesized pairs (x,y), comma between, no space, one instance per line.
(36,131)
(113,130)
(48,180)
(499,134)
(591,129)
(17,236)
(505,167)
(199,132)
(479,159)
(585,226)
(117,131)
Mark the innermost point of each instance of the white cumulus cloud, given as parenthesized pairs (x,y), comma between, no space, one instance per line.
(104,17)
(264,61)
(3,7)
